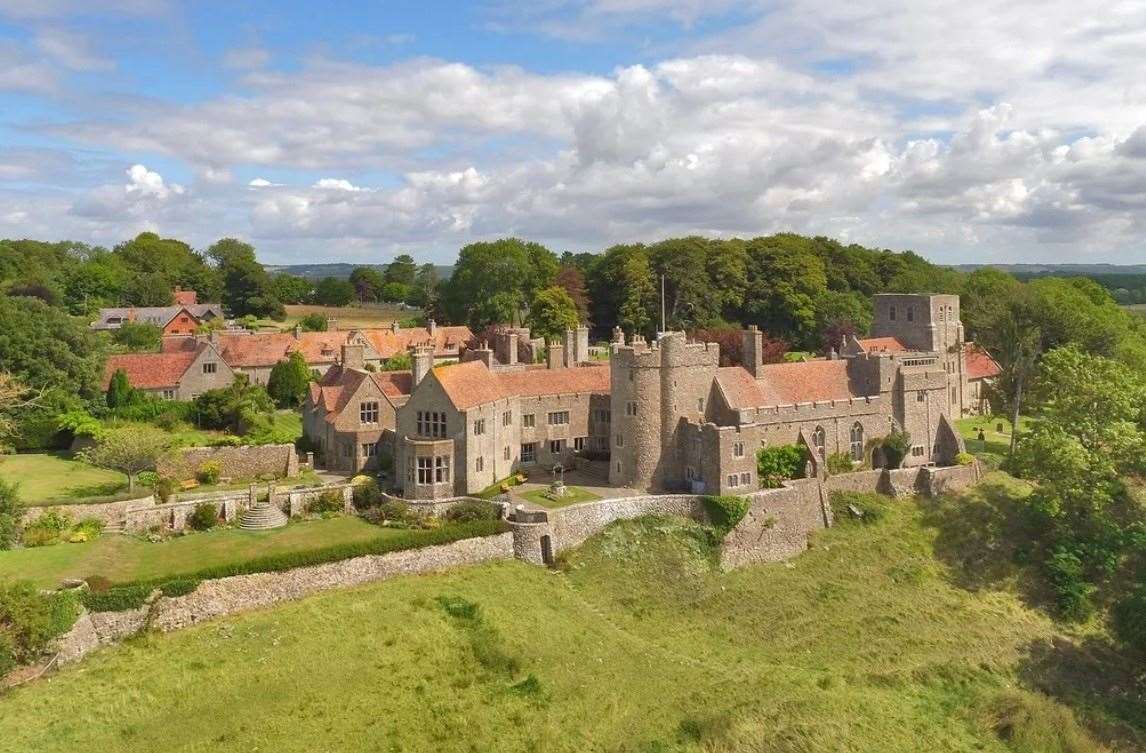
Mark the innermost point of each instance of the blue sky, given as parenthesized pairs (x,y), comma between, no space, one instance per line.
(971,131)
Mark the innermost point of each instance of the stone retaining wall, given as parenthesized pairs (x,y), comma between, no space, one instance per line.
(278,460)
(108,512)
(241,593)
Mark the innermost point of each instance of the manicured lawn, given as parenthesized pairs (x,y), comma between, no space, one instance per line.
(867,643)
(573,495)
(44,477)
(995,444)
(125,558)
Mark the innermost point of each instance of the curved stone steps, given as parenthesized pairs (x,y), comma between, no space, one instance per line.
(262,518)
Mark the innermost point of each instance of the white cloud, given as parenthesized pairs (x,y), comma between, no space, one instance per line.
(71,50)
(147,183)
(336,184)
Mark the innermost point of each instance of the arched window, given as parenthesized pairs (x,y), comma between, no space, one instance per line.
(857,441)
(818,438)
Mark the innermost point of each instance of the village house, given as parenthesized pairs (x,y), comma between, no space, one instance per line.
(183,318)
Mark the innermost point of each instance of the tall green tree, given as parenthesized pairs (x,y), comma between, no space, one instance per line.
(166,263)
(138,336)
(425,287)
(120,393)
(332,291)
(247,287)
(368,283)
(289,380)
(494,282)
(128,450)
(290,289)
(785,279)
(551,313)
(401,270)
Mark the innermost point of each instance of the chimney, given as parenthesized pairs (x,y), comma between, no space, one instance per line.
(511,349)
(353,357)
(556,355)
(482,353)
(421,361)
(752,340)
(569,346)
(432,326)
(331,325)
(394,326)
(581,345)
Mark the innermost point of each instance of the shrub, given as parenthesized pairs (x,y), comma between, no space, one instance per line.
(397,512)
(367,494)
(204,517)
(314,323)
(117,598)
(472,509)
(329,501)
(964,458)
(840,462)
(28,620)
(209,472)
(147,478)
(226,440)
(895,446)
(774,465)
(86,530)
(726,511)
(46,529)
(178,587)
(1071,590)
(1130,618)
(165,487)
(10,514)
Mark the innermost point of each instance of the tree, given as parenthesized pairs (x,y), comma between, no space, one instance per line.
(367,283)
(425,287)
(840,314)
(402,270)
(247,287)
(46,349)
(785,279)
(120,392)
(290,289)
(138,336)
(395,292)
(552,313)
(14,397)
(332,291)
(130,450)
(314,323)
(494,281)
(731,342)
(689,296)
(288,381)
(157,265)
(572,281)
(1013,337)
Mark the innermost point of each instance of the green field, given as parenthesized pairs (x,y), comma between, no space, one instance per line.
(43,477)
(995,444)
(126,558)
(882,638)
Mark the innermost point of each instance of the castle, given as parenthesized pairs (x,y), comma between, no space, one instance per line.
(664,414)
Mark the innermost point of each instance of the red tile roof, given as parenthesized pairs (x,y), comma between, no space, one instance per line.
(883,345)
(266,349)
(185,297)
(150,371)
(979,363)
(786,384)
(472,383)
(394,384)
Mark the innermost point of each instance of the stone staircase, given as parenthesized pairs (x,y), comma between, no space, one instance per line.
(263,516)
(115,526)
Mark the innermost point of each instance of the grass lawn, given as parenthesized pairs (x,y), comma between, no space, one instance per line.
(286,427)
(994,444)
(867,643)
(55,476)
(125,558)
(573,495)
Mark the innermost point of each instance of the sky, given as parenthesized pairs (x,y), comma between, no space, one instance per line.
(971,132)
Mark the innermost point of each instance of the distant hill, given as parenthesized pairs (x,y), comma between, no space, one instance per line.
(316,272)
(1078,270)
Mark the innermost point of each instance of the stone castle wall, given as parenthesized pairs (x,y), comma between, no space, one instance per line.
(278,460)
(107,512)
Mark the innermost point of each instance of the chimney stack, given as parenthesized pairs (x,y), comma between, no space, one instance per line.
(753,350)
(421,361)
(556,355)
(332,325)
(298,331)
(394,327)
(618,336)
(353,357)
(432,326)
(511,349)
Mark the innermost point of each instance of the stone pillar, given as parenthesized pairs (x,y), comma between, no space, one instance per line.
(348,498)
(421,361)
(752,340)
(432,327)
(581,345)
(556,355)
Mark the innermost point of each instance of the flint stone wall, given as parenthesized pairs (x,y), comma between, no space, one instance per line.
(279,460)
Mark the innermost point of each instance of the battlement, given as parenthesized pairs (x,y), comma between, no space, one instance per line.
(672,350)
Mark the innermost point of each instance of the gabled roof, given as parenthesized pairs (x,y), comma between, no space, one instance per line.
(786,384)
(979,363)
(387,342)
(472,383)
(882,345)
(151,371)
(394,384)
(160,316)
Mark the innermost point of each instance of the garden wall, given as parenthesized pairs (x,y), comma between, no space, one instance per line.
(173,514)
(278,460)
(108,512)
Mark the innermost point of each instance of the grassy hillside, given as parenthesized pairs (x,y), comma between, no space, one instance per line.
(874,640)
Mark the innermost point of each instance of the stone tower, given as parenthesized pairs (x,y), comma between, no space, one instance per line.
(653,388)
(922,322)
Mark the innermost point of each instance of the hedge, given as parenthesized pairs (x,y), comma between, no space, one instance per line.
(133,594)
